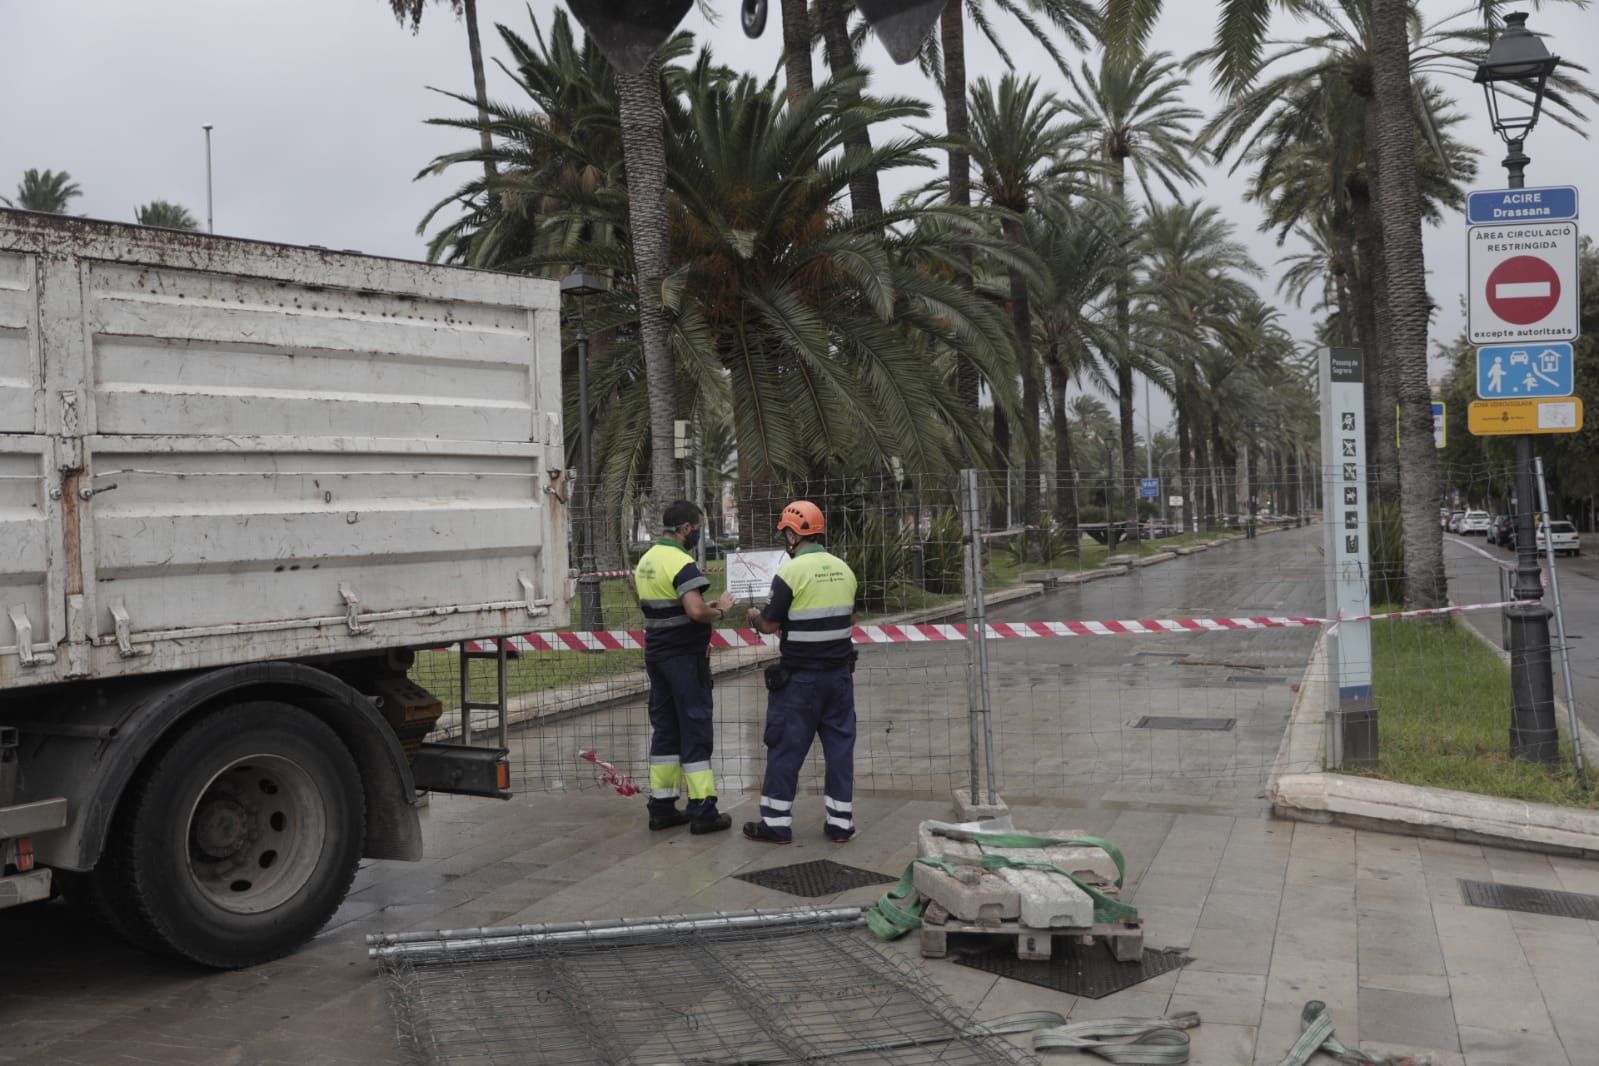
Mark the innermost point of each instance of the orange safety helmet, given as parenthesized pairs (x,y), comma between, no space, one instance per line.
(804,518)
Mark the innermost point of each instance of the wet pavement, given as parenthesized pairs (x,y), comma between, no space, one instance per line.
(1272,913)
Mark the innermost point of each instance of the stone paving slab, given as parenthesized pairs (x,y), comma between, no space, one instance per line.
(1273,913)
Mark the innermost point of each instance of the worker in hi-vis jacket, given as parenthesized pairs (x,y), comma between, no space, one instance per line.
(811,690)
(677,644)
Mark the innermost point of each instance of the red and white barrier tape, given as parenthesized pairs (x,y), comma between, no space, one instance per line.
(633,639)
(610,775)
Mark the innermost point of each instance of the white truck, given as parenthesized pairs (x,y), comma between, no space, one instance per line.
(240,485)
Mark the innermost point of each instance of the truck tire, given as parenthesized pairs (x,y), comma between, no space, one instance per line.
(240,838)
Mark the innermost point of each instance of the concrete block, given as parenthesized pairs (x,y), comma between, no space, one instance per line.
(1048,900)
(1158,557)
(1120,559)
(985,898)
(1034,945)
(969,810)
(935,942)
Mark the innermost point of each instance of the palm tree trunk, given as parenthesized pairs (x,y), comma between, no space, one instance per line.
(1399,207)
(1382,373)
(1185,464)
(644,153)
(1203,501)
(1124,370)
(952,40)
(797,50)
(1022,318)
(1065,471)
(865,195)
(480,85)
(998,505)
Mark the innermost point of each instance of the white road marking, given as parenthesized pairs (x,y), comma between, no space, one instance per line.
(1466,544)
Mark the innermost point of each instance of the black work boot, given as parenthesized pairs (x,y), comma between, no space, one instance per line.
(668,818)
(710,823)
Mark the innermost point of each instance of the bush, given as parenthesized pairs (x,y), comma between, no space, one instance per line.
(876,553)
(943,562)
(1387,536)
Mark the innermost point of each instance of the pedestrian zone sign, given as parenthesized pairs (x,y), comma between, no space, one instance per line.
(1522,283)
(1519,371)
(1149,487)
(1508,418)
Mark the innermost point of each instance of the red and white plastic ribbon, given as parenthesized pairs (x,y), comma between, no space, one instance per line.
(633,639)
(610,775)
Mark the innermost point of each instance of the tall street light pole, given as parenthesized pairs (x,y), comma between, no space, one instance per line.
(1518,58)
(581,282)
(210,225)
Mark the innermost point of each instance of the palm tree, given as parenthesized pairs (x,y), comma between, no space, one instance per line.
(1076,20)
(165,215)
(1132,114)
(48,191)
(1075,339)
(866,195)
(1192,273)
(1019,146)
(411,11)
(797,50)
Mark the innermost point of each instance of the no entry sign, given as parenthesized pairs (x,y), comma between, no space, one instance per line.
(1522,281)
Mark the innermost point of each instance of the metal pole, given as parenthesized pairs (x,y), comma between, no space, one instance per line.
(210,223)
(979,635)
(588,582)
(699,497)
(971,561)
(1533,734)
(1560,627)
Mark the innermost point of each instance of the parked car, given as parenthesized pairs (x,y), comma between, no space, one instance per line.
(1502,530)
(1473,522)
(1562,536)
(1155,528)
(1454,521)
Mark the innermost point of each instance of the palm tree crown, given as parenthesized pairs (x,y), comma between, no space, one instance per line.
(49,191)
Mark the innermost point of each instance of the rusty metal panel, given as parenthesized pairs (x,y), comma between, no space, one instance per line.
(245,451)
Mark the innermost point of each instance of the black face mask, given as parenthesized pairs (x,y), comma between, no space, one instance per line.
(692,540)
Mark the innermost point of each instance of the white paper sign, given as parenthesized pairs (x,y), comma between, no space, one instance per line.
(749,574)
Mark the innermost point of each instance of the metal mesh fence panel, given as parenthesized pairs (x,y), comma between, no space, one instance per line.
(750,998)
(1162,654)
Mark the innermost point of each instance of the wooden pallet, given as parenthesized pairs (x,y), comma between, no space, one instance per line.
(1124,937)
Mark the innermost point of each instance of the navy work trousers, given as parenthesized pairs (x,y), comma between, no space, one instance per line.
(682,734)
(813,703)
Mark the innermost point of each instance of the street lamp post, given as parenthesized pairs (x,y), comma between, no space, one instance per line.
(580,282)
(210,225)
(1517,58)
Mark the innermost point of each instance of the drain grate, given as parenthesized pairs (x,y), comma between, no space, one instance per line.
(821,877)
(1531,900)
(1255,679)
(1168,721)
(1082,970)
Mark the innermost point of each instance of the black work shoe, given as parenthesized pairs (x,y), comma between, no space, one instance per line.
(669,819)
(763,832)
(711,823)
(838,834)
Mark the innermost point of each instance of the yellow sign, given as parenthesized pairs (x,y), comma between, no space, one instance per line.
(1506,418)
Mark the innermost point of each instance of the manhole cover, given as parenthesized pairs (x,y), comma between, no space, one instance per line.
(1167,721)
(1082,970)
(821,877)
(1531,900)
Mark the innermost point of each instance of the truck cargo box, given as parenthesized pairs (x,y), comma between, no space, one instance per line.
(216,451)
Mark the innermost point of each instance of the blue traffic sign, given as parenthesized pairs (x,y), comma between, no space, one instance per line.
(1498,207)
(1521,371)
(1149,487)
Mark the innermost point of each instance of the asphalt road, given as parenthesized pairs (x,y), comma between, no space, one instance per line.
(1473,568)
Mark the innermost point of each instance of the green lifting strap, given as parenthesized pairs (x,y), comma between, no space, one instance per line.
(899,911)
(1155,1041)
(1318,1036)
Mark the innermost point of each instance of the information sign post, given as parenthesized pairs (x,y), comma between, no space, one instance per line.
(1352,718)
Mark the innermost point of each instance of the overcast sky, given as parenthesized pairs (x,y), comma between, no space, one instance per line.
(319,108)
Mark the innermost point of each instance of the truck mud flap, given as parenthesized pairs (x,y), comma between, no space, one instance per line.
(463,770)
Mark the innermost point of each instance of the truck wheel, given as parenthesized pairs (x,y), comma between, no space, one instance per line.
(240,840)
